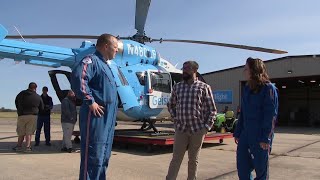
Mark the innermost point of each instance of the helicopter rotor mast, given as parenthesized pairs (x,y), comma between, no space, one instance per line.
(142,9)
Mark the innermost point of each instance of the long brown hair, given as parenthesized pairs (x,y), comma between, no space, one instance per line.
(258,74)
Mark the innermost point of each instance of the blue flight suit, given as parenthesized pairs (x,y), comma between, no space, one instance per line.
(256,124)
(93,81)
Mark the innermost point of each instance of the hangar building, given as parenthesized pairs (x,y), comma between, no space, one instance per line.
(297,79)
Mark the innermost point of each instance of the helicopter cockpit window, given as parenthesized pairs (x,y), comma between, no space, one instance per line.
(123,80)
(160,82)
(141,78)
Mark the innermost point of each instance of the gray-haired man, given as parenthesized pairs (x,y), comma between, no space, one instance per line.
(68,120)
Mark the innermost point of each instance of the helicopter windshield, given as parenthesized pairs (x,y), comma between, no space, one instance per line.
(160,82)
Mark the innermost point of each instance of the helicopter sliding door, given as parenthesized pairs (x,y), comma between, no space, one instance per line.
(159,87)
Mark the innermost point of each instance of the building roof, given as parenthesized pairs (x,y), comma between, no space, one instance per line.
(267,61)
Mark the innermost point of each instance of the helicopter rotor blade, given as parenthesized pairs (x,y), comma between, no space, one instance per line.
(252,48)
(58,37)
(142,8)
(52,37)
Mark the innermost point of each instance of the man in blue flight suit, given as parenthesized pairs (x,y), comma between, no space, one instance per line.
(255,128)
(94,83)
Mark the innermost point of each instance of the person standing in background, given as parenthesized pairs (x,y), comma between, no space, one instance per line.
(28,104)
(44,118)
(68,120)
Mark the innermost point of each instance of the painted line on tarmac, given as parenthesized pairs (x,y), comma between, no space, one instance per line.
(302,147)
(9,137)
(275,156)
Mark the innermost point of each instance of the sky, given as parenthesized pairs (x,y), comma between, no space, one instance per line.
(289,25)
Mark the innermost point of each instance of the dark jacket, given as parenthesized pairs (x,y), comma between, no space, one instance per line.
(48,104)
(68,111)
(28,103)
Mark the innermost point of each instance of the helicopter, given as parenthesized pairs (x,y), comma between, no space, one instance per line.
(143,77)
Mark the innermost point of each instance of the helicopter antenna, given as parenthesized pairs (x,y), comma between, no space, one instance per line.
(19,33)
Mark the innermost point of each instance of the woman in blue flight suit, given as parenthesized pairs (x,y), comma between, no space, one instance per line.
(254,132)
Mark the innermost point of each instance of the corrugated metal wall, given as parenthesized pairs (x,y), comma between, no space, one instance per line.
(277,68)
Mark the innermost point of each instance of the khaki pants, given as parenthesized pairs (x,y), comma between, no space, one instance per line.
(182,142)
(67,129)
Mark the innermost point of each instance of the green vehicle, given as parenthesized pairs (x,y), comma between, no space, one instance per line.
(225,122)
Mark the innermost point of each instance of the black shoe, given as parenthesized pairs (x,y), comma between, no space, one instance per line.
(17,149)
(37,144)
(64,149)
(70,150)
(48,144)
(28,149)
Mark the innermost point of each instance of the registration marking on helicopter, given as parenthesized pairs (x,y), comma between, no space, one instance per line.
(141,51)
(160,101)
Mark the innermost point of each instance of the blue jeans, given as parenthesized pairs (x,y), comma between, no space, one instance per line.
(43,120)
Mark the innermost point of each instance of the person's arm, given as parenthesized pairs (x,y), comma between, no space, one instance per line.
(239,127)
(270,111)
(210,109)
(50,103)
(41,104)
(172,103)
(80,78)
(65,109)
(18,103)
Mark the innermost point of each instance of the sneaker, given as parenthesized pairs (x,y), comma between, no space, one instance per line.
(48,144)
(17,149)
(64,149)
(70,150)
(28,149)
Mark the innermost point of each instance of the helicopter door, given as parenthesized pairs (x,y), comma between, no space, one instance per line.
(64,79)
(159,87)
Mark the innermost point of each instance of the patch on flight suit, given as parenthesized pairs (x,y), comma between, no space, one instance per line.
(87,60)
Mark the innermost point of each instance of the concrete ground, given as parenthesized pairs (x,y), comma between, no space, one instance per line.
(295,155)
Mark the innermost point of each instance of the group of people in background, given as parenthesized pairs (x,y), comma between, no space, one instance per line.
(34,112)
(191,106)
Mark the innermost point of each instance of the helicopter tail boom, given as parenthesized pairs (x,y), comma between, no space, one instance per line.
(35,54)
(3,32)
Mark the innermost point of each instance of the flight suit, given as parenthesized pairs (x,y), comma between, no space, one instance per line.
(256,124)
(93,81)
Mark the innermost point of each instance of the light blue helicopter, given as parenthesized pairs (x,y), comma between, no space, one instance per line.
(144,79)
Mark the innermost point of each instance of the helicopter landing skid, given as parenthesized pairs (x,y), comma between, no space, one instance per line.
(149,124)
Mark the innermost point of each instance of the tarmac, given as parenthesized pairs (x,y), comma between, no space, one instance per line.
(295,155)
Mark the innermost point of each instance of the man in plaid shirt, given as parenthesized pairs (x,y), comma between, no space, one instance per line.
(193,110)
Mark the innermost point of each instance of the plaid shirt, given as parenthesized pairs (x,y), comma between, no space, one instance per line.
(192,106)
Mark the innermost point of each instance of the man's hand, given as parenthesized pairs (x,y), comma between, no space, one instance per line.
(236,140)
(96,109)
(264,146)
